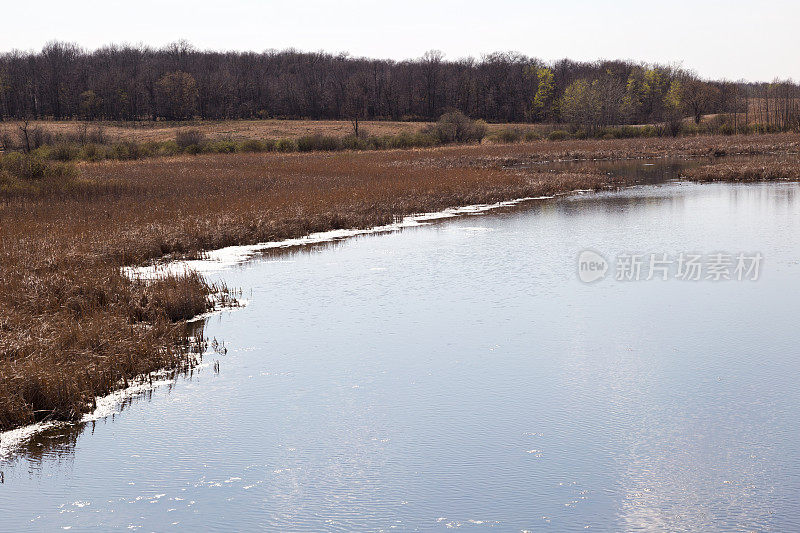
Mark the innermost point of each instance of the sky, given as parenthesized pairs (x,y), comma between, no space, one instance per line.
(733,39)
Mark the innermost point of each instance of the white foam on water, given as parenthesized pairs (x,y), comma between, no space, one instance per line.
(108,405)
(222,258)
(215,261)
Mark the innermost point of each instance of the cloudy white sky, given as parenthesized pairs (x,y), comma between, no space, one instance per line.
(756,40)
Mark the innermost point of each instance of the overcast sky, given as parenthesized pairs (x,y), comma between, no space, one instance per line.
(755,40)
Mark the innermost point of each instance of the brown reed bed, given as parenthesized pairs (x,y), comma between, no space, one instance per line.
(505,155)
(783,168)
(73,327)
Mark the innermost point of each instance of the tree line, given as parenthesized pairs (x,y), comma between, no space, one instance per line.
(179,82)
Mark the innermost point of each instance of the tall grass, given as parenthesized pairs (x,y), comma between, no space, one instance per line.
(784,168)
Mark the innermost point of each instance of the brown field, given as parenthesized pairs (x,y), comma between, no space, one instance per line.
(223,129)
(235,129)
(72,327)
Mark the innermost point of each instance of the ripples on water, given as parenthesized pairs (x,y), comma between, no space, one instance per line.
(459,375)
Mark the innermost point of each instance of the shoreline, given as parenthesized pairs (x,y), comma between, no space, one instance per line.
(64,263)
(223,258)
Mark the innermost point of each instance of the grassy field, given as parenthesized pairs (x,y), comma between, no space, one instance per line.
(236,129)
(73,327)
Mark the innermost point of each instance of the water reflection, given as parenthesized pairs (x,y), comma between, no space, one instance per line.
(55,442)
(634,171)
(459,375)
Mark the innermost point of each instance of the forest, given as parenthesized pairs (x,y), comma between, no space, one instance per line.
(179,82)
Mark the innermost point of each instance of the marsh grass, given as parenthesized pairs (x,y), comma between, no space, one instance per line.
(783,168)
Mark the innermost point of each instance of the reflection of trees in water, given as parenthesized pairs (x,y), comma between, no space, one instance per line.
(631,172)
(764,193)
(56,443)
(613,203)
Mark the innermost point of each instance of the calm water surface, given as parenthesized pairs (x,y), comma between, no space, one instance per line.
(460,375)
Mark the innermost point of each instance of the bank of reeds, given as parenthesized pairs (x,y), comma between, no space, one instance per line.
(73,327)
(785,168)
(516,155)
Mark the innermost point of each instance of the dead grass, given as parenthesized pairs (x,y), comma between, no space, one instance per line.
(235,129)
(785,168)
(507,155)
(218,130)
(72,327)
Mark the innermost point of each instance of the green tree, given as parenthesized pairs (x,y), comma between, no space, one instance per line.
(542,105)
(673,114)
(656,85)
(634,95)
(580,105)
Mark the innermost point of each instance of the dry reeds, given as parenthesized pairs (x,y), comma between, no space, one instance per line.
(784,168)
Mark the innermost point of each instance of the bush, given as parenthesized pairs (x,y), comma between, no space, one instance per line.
(352,142)
(92,152)
(318,142)
(126,150)
(186,139)
(252,145)
(506,135)
(168,148)
(455,126)
(531,135)
(219,147)
(270,145)
(193,149)
(558,135)
(6,142)
(34,168)
(64,152)
(286,145)
(379,143)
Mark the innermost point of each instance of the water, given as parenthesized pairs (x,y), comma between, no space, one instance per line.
(460,375)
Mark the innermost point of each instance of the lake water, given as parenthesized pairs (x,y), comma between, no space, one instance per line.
(461,375)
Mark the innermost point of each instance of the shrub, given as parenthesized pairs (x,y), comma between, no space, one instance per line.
(92,152)
(455,126)
(219,147)
(531,135)
(168,148)
(506,135)
(64,152)
(649,131)
(286,145)
(352,142)
(6,142)
(252,145)
(558,135)
(318,142)
(379,143)
(189,138)
(33,168)
(126,150)
(193,149)
(270,145)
